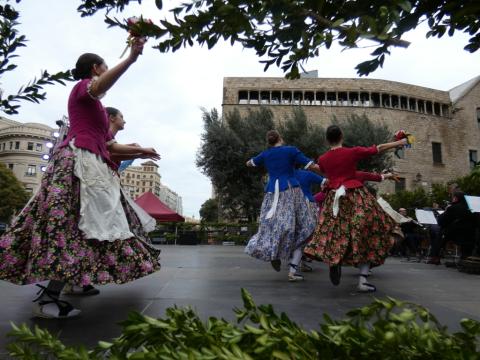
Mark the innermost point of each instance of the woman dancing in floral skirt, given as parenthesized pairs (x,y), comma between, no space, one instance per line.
(353,228)
(78,229)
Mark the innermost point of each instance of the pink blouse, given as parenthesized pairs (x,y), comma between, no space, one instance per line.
(88,122)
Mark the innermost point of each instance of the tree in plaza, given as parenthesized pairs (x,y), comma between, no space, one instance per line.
(13,195)
(470,184)
(209,211)
(306,135)
(227,143)
(289,32)
(10,42)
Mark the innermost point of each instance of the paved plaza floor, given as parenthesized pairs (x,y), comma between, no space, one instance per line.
(209,279)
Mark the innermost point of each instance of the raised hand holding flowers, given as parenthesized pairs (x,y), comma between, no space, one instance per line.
(137,29)
(400,135)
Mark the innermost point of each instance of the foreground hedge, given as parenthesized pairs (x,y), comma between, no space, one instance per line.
(385,329)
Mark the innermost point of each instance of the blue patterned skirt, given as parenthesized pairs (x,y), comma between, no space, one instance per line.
(288,230)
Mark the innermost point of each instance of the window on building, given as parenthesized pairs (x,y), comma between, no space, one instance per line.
(445,110)
(343,99)
(365,99)
(10,166)
(11,145)
(478,117)
(429,107)
(473,158)
(31,170)
(395,102)
(375,99)
(254,97)
(17,145)
(30,146)
(275,97)
(286,97)
(437,152)
(3,146)
(421,106)
(400,185)
(412,104)
(243,97)
(39,147)
(320,95)
(386,100)
(331,98)
(265,97)
(353,96)
(308,98)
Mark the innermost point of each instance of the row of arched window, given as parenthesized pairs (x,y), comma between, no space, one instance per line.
(343,98)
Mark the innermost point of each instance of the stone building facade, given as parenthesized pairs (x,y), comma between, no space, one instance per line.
(137,180)
(22,147)
(446,124)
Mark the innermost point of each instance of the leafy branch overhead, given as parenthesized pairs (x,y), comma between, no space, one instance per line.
(287,33)
(10,42)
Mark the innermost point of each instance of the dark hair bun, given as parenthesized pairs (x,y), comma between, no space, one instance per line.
(84,65)
(74,73)
(334,134)
(272,137)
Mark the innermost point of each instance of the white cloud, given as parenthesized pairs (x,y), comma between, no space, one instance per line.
(161,95)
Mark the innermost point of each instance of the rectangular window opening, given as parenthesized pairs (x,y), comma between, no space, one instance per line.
(400,185)
(437,152)
(473,158)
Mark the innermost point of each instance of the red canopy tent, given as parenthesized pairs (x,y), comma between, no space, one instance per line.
(157,209)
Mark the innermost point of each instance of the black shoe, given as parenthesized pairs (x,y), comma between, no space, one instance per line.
(335,274)
(276,264)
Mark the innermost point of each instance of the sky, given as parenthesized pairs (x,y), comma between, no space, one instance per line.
(162,95)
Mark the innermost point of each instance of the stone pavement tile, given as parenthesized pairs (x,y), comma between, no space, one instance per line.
(209,278)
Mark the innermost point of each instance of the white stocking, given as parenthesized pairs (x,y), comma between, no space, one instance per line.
(295,260)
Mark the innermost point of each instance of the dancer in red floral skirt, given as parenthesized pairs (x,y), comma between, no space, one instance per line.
(352,229)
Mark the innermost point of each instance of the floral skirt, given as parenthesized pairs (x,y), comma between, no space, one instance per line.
(45,243)
(288,230)
(361,233)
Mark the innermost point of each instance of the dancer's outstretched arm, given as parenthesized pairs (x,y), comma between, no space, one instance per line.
(120,149)
(391,145)
(106,80)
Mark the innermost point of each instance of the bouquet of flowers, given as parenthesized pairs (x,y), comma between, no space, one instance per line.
(135,26)
(402,134)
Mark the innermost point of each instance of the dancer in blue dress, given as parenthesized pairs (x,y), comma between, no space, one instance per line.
(285,221)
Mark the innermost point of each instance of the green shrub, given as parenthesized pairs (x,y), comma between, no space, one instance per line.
(385,329)
(419,198)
